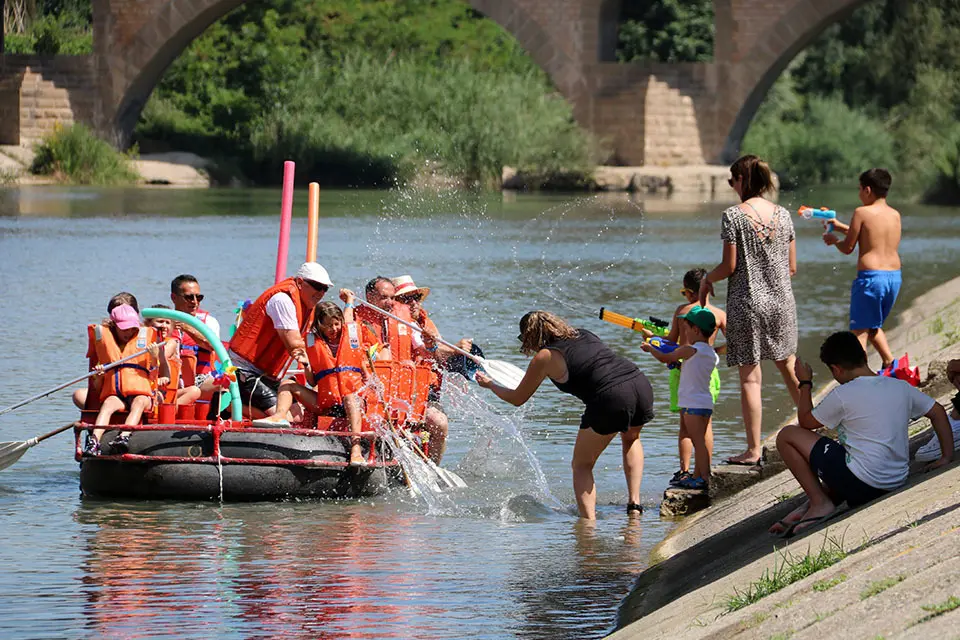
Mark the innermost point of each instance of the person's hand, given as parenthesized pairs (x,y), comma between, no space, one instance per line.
(830,239)
(706,288)
(466,344)
(647,334)
(802,370)
(483,380)
(347,296)
(936,464)
(98,370)
(154,349)
(646,346)
(163,382)
(300,355)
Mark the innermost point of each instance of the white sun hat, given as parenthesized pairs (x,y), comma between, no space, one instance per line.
(405,286)
(314,273)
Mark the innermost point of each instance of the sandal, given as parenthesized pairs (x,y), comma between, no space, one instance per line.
(120,444)
(633,506)
(91,447)
(679,476)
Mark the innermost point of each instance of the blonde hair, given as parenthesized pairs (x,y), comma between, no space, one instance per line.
(540,328)
(756,175)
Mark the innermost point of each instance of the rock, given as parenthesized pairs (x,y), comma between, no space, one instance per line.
(936,382)
(180,169)
(652,185)
(683,502)
(613,178)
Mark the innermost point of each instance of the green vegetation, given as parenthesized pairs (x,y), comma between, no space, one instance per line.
(75,155)
(879,586)
(48,27)
(363,92)
(785,572)
(666,31)
(824,585)
(939,609)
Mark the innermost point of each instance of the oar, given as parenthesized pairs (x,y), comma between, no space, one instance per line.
(106,367)
(10,452)
(503,373)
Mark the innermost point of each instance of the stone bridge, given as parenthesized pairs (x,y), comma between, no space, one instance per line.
(650,113)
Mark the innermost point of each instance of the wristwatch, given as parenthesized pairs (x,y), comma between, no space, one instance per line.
(803,383)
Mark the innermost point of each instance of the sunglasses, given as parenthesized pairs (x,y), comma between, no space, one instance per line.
(322,288)
(192,297)
(409,299)
(684,291)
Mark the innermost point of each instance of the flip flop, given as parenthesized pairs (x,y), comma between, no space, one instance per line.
(784,524)
(743,463)
(809,522)
(277,424)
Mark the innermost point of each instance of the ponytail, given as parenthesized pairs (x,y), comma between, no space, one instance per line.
(756,175)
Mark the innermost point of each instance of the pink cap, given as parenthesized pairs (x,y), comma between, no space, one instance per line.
(125,317)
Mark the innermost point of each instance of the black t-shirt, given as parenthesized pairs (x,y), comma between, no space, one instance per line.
(592,366)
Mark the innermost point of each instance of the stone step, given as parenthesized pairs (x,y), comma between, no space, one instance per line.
(726,480)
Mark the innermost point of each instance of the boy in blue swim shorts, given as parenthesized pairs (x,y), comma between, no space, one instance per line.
(875,229)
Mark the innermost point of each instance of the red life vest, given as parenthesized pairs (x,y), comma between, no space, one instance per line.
(256,339)
(196,359)
(336,377)
(131,378)
(398,335)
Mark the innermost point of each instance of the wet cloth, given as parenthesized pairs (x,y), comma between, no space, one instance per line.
(871,298)
(675,387)
(761,311)
(617,394)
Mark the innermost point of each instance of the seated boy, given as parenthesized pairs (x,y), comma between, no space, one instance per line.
(930,451)
(875,227)
(871,413)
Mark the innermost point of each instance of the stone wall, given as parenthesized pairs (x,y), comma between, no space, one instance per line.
(38,92)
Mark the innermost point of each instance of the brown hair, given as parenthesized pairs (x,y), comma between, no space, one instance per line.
(879,181)
(540,328)
(325,310)
(123,298)
(756,175)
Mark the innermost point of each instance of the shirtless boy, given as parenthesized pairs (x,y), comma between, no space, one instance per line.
(876,228)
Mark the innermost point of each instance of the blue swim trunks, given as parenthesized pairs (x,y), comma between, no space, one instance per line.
(871,298)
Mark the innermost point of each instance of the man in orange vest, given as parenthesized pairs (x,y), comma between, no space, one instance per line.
(272,332)
(195,351)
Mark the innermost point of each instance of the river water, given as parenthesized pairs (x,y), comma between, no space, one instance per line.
(503,558)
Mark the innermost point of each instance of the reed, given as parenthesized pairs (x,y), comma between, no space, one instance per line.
(75,155)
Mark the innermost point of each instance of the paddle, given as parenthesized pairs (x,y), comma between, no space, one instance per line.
(106,367)
(503,373)
(10,452)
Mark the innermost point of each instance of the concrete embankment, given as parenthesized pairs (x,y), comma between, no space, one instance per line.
(899,577)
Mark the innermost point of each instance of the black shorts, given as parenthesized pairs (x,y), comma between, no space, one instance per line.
(628,404)
(828,459)
(258,391)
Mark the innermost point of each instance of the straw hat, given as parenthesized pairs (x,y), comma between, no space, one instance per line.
(405,286)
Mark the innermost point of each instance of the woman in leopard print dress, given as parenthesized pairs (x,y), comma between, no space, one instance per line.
(759,258)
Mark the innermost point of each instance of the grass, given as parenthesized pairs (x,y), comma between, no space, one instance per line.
(785,572)
(951,337)
(783,497)
(879,586)
(936,325)
(823,585)
(8,177)
(948,605)
(75,155)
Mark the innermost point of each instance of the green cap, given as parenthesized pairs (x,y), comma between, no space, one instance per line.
(702,318)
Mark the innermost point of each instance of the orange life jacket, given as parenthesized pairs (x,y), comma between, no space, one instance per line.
(336,377)
(398,335)
(257,340)
(170,391)
(131,378)
(436,377)
(195,359)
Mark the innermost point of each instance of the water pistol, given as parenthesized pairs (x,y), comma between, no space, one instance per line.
(664,346)
(823,214)
(656,326)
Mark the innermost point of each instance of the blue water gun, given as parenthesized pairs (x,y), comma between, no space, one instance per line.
(823,214)
(664,346)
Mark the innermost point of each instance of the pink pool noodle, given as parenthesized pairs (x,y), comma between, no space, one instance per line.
(286,212)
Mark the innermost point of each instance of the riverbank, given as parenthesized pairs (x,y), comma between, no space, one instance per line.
(889,566)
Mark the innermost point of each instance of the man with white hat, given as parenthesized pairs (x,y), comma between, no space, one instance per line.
(272,332)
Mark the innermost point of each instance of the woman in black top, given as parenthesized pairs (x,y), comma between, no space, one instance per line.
(617,395)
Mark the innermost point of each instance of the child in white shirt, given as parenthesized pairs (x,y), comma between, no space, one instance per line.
(694,394)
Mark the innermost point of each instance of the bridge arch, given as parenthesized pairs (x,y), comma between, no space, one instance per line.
(751,79)
(171,25)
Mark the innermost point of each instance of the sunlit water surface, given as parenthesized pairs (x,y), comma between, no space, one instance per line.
(503,558)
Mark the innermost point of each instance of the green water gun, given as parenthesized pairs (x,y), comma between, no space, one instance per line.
(656,326)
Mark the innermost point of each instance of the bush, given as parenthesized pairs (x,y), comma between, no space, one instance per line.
(946,187)
(825,141)
(74,154)
(384,122)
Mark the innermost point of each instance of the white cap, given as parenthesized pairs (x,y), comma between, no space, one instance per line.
(314,272)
